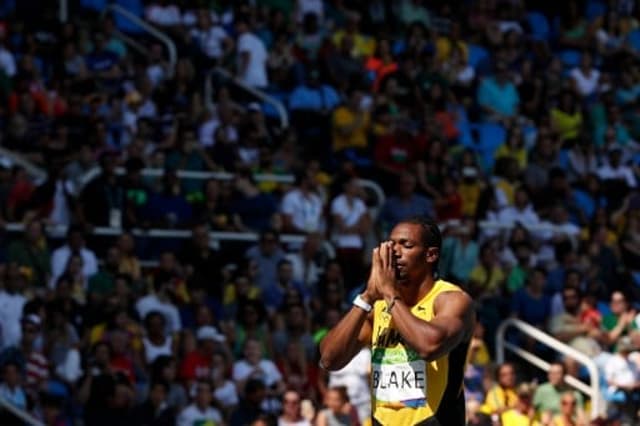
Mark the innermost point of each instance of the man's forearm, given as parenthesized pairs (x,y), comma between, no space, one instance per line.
(341,344)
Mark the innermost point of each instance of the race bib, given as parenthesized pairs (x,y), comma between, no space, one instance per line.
(399,376)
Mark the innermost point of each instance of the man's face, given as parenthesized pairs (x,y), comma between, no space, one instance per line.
(412,259)
(571,300)
(203,395)
(507,376)
(556,375)
(285,272)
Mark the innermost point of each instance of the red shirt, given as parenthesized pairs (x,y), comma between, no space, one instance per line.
(195,366)
(397,154)
(124,365)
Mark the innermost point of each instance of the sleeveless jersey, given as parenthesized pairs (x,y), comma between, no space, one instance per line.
(406,389)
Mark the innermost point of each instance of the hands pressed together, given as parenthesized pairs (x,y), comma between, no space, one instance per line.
(382,283)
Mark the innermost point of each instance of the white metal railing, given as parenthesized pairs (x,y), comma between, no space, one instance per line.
(171,47)
(189,174)
(592,390)
(34,171)
(259,177)
(208,94)
(21,414)
(59,231)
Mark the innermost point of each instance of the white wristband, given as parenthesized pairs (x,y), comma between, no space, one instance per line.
(362,304)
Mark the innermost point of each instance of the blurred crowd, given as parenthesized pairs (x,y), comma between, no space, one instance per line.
(514,123)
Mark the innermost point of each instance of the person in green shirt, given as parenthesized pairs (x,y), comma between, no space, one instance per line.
(546,399)
(103,282)
(621,321)
(31,252)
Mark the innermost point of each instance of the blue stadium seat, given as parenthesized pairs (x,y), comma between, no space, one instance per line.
(97,5)
(466,137)
(594,9)
(490,137)
(7,7)
(125,25)
(477,55)
(634,39)
(570,58)
(540,28)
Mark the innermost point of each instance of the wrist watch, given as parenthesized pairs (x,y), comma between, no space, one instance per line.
(362,304)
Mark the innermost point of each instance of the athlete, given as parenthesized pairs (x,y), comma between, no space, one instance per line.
(419,329)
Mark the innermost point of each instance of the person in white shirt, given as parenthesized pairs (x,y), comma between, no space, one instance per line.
(291,410)
(614,169)
(306,268)
(200,412)
(11,303)
(254,366)
(585,78)
(351,223)
(252,56)
(355,377)
(301,207)
(522,211)
(213,40)
(7,60)
(623,374)
(75,244)
(163,14)
(161,303)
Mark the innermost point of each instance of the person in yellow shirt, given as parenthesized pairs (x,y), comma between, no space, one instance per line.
(523,413)
(418,326)
(487,277)
(566,117)
(350,124)
(514,147)
(363,46)
(446,43)
(470,188)
(502,396)
(569,414)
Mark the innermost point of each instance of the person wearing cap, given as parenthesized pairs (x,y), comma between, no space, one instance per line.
(198,364)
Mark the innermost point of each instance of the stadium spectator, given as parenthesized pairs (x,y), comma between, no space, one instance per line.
(523,411)
(549,396)
(291,410)
(502,395)
(196,365)
(252,55)
(200,410)
(405,204)
(302,207)
(154,411)
(267,254)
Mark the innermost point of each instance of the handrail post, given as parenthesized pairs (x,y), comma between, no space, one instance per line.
(279,107)
(171,47)
(550,341)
